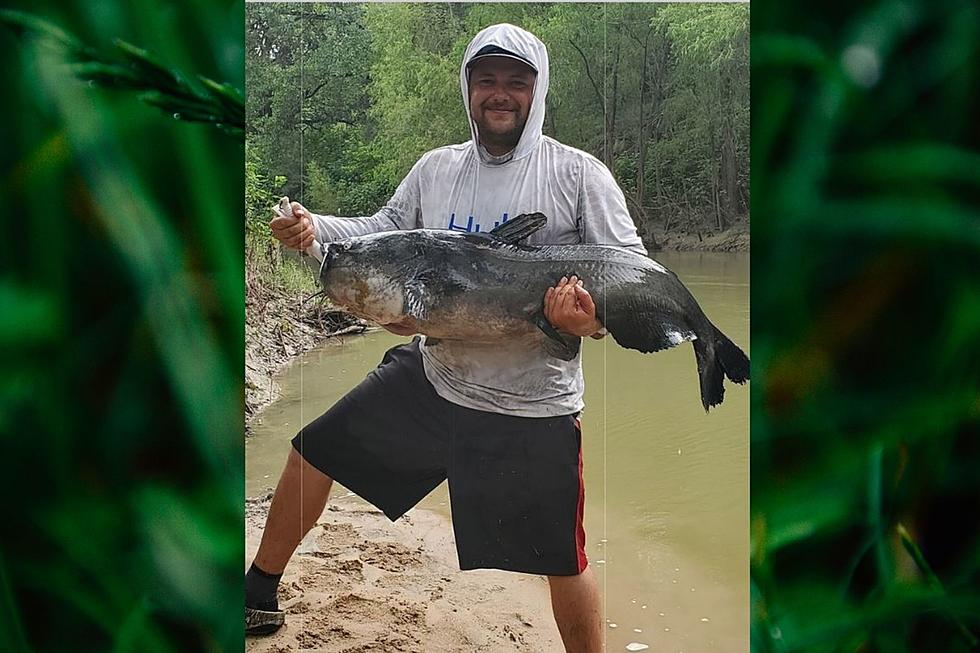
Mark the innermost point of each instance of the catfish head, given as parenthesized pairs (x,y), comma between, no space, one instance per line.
(377,276)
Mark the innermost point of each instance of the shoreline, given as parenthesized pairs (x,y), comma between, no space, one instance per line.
(278,328)
(735,239)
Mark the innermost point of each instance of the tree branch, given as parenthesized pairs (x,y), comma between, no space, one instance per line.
(588,71)
(309,94)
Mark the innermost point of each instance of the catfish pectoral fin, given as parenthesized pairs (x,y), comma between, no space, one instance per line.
(432,342)
(566,348)
(560,346)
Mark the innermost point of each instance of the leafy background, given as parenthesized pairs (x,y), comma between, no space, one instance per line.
(866,327)
(121,320)
(344,98)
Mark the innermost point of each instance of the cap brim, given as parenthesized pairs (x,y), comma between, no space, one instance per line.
(472,62)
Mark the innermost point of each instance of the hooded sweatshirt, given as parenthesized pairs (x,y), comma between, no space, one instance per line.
(464,187)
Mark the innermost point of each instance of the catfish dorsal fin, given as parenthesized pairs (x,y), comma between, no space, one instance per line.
(518,228)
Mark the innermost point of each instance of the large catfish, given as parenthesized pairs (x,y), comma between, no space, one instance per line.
(490,287)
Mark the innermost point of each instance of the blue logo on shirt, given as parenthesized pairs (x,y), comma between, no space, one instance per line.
(471,226)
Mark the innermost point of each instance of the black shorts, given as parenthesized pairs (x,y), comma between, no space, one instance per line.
(515,483)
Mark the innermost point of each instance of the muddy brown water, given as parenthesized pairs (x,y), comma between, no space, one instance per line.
(666,484)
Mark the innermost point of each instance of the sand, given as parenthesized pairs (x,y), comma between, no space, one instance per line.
(360,583)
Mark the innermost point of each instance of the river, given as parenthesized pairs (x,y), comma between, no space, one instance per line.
(666,484)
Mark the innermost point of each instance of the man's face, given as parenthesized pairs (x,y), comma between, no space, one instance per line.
(501,89)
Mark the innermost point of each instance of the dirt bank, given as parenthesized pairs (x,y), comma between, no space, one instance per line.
(280,324)
(733,239)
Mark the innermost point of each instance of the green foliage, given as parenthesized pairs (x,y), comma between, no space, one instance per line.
(258,196)
(136,69)
(121,323)
(866,326)
(319,190)
(307,68)
(415,83)
(659,93)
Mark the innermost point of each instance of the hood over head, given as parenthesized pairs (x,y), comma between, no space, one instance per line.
(516,43)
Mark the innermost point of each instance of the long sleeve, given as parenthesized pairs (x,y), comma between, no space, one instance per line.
(602,214)
(403,211)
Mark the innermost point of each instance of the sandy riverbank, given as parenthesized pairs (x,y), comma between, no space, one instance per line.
(360,584)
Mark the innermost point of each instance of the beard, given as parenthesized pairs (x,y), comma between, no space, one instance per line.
(497,135)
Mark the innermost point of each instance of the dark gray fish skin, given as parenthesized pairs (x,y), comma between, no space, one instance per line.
(454,285)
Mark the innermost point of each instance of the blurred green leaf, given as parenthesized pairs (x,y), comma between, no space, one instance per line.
(217,104)
(915,163)
(787,50)
(12,634)
(26,24)
(28,317)
(121,319)
(932,579)
(865,239)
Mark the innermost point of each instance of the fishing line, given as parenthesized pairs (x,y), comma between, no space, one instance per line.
(302,200)
(605,351)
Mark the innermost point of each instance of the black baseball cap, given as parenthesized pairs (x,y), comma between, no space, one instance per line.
(497,51)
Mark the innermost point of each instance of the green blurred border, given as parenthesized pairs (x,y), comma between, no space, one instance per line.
(121,326)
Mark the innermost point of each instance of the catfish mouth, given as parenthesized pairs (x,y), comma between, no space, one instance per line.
(329,262)
(401,328)
(326,264)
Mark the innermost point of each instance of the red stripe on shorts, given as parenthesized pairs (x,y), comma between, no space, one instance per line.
(583,562)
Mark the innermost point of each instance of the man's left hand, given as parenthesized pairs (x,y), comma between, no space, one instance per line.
(569,308)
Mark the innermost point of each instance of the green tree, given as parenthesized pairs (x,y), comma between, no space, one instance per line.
(659,93)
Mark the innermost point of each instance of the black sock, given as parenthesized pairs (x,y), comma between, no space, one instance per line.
(260,589)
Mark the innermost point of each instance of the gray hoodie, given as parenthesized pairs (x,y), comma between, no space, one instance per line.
(463,187)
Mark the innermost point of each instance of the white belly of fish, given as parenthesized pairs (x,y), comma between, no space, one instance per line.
(478,321)
(372,297)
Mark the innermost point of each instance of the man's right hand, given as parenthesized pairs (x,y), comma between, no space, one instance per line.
(294,231)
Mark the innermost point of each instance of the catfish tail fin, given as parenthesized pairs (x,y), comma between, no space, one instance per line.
(710,373)
(716,360)
(733,359)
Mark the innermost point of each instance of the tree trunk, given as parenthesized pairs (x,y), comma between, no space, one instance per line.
(715,188)
(654,119)
(641,138)
(609,116)
(610,135)
(552,122)
(648,235)
(729,178)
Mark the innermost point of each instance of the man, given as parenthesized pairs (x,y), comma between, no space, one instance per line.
(502,425)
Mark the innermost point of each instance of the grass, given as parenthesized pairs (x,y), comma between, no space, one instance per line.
(865,326)
(121,320)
